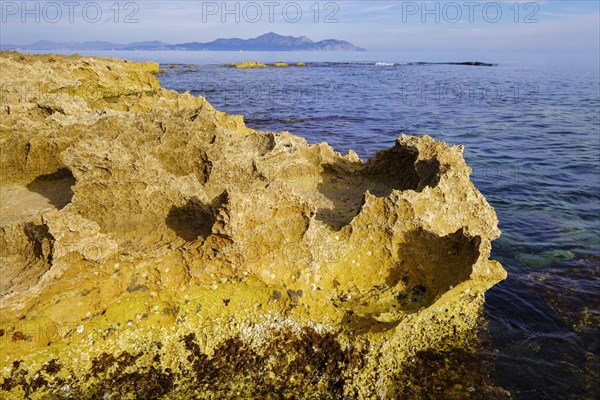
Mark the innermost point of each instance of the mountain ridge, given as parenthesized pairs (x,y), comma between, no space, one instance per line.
(270,41)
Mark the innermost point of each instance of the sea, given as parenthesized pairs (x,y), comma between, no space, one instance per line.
(530,125)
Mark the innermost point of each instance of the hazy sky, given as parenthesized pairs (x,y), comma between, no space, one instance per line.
(546,25)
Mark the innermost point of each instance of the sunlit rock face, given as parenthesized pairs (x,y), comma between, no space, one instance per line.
(155,247)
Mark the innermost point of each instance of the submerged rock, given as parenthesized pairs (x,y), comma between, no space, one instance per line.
(153,246)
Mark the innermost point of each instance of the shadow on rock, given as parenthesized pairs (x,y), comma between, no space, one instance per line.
(191,221)
(56,187)
(395,169)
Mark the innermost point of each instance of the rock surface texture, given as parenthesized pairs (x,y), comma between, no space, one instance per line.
(153,247)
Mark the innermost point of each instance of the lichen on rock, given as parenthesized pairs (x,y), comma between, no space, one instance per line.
(155,247)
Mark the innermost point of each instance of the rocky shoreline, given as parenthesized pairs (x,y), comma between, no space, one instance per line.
(153,247)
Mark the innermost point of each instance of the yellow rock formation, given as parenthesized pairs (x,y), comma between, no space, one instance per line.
(153,246)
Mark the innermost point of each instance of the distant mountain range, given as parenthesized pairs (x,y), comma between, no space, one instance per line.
(267,42)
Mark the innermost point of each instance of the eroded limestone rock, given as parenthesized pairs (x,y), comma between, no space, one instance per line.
(153,246)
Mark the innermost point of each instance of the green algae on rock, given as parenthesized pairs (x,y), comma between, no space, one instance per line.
(156,247)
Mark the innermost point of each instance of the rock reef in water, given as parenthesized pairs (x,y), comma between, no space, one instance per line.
(258,64)
(249,65)
(153,246)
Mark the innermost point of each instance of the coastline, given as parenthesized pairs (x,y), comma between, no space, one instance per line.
(167,273)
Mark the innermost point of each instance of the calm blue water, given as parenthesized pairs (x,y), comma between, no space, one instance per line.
(531,130)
